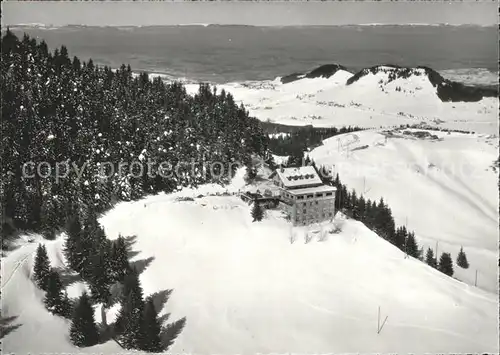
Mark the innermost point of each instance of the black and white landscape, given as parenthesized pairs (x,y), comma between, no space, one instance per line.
(139,213)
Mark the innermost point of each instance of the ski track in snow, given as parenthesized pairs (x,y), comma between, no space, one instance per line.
(456,192)
(18,264)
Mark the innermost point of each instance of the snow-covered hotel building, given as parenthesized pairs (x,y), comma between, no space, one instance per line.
(304,197)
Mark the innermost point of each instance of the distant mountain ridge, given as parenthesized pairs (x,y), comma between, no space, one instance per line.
(446,90)
(52,26)
(323,71)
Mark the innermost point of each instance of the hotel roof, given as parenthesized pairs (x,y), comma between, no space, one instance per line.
(311,190)
(305,175)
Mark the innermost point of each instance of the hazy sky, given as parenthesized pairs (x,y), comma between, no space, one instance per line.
(247,13)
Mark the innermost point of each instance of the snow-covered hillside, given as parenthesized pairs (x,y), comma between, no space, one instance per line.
(263,287)
(245,288)
(34,329)
(445,189)
(379,96)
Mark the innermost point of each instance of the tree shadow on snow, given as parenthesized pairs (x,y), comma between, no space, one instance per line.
(116,289)
(129,242)
(170,332)
(142,264)
(6,326)
(139,265)
(160,298)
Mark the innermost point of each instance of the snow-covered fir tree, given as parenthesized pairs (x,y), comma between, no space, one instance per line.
(119,259)
(150,328)
(128,321)
(100,278)
(446,264)
(251,173)
(56,300)
(83,331)
(73,247)
(462,259)
(257,212)
(411,247)
(41,269)
(430,259)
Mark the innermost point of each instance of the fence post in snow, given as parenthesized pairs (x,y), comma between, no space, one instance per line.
(379,327)
(378,321)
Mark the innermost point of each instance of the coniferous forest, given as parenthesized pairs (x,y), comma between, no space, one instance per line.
(71,134)
(88,121)
(296,141)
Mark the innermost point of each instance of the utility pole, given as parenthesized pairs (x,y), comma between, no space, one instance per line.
(475,280)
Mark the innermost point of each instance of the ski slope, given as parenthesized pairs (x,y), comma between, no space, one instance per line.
(373,101)
(445,190)
(245,288)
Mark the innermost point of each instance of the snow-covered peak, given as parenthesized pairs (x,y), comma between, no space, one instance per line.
(325,71)
(415,77)
(391,72)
